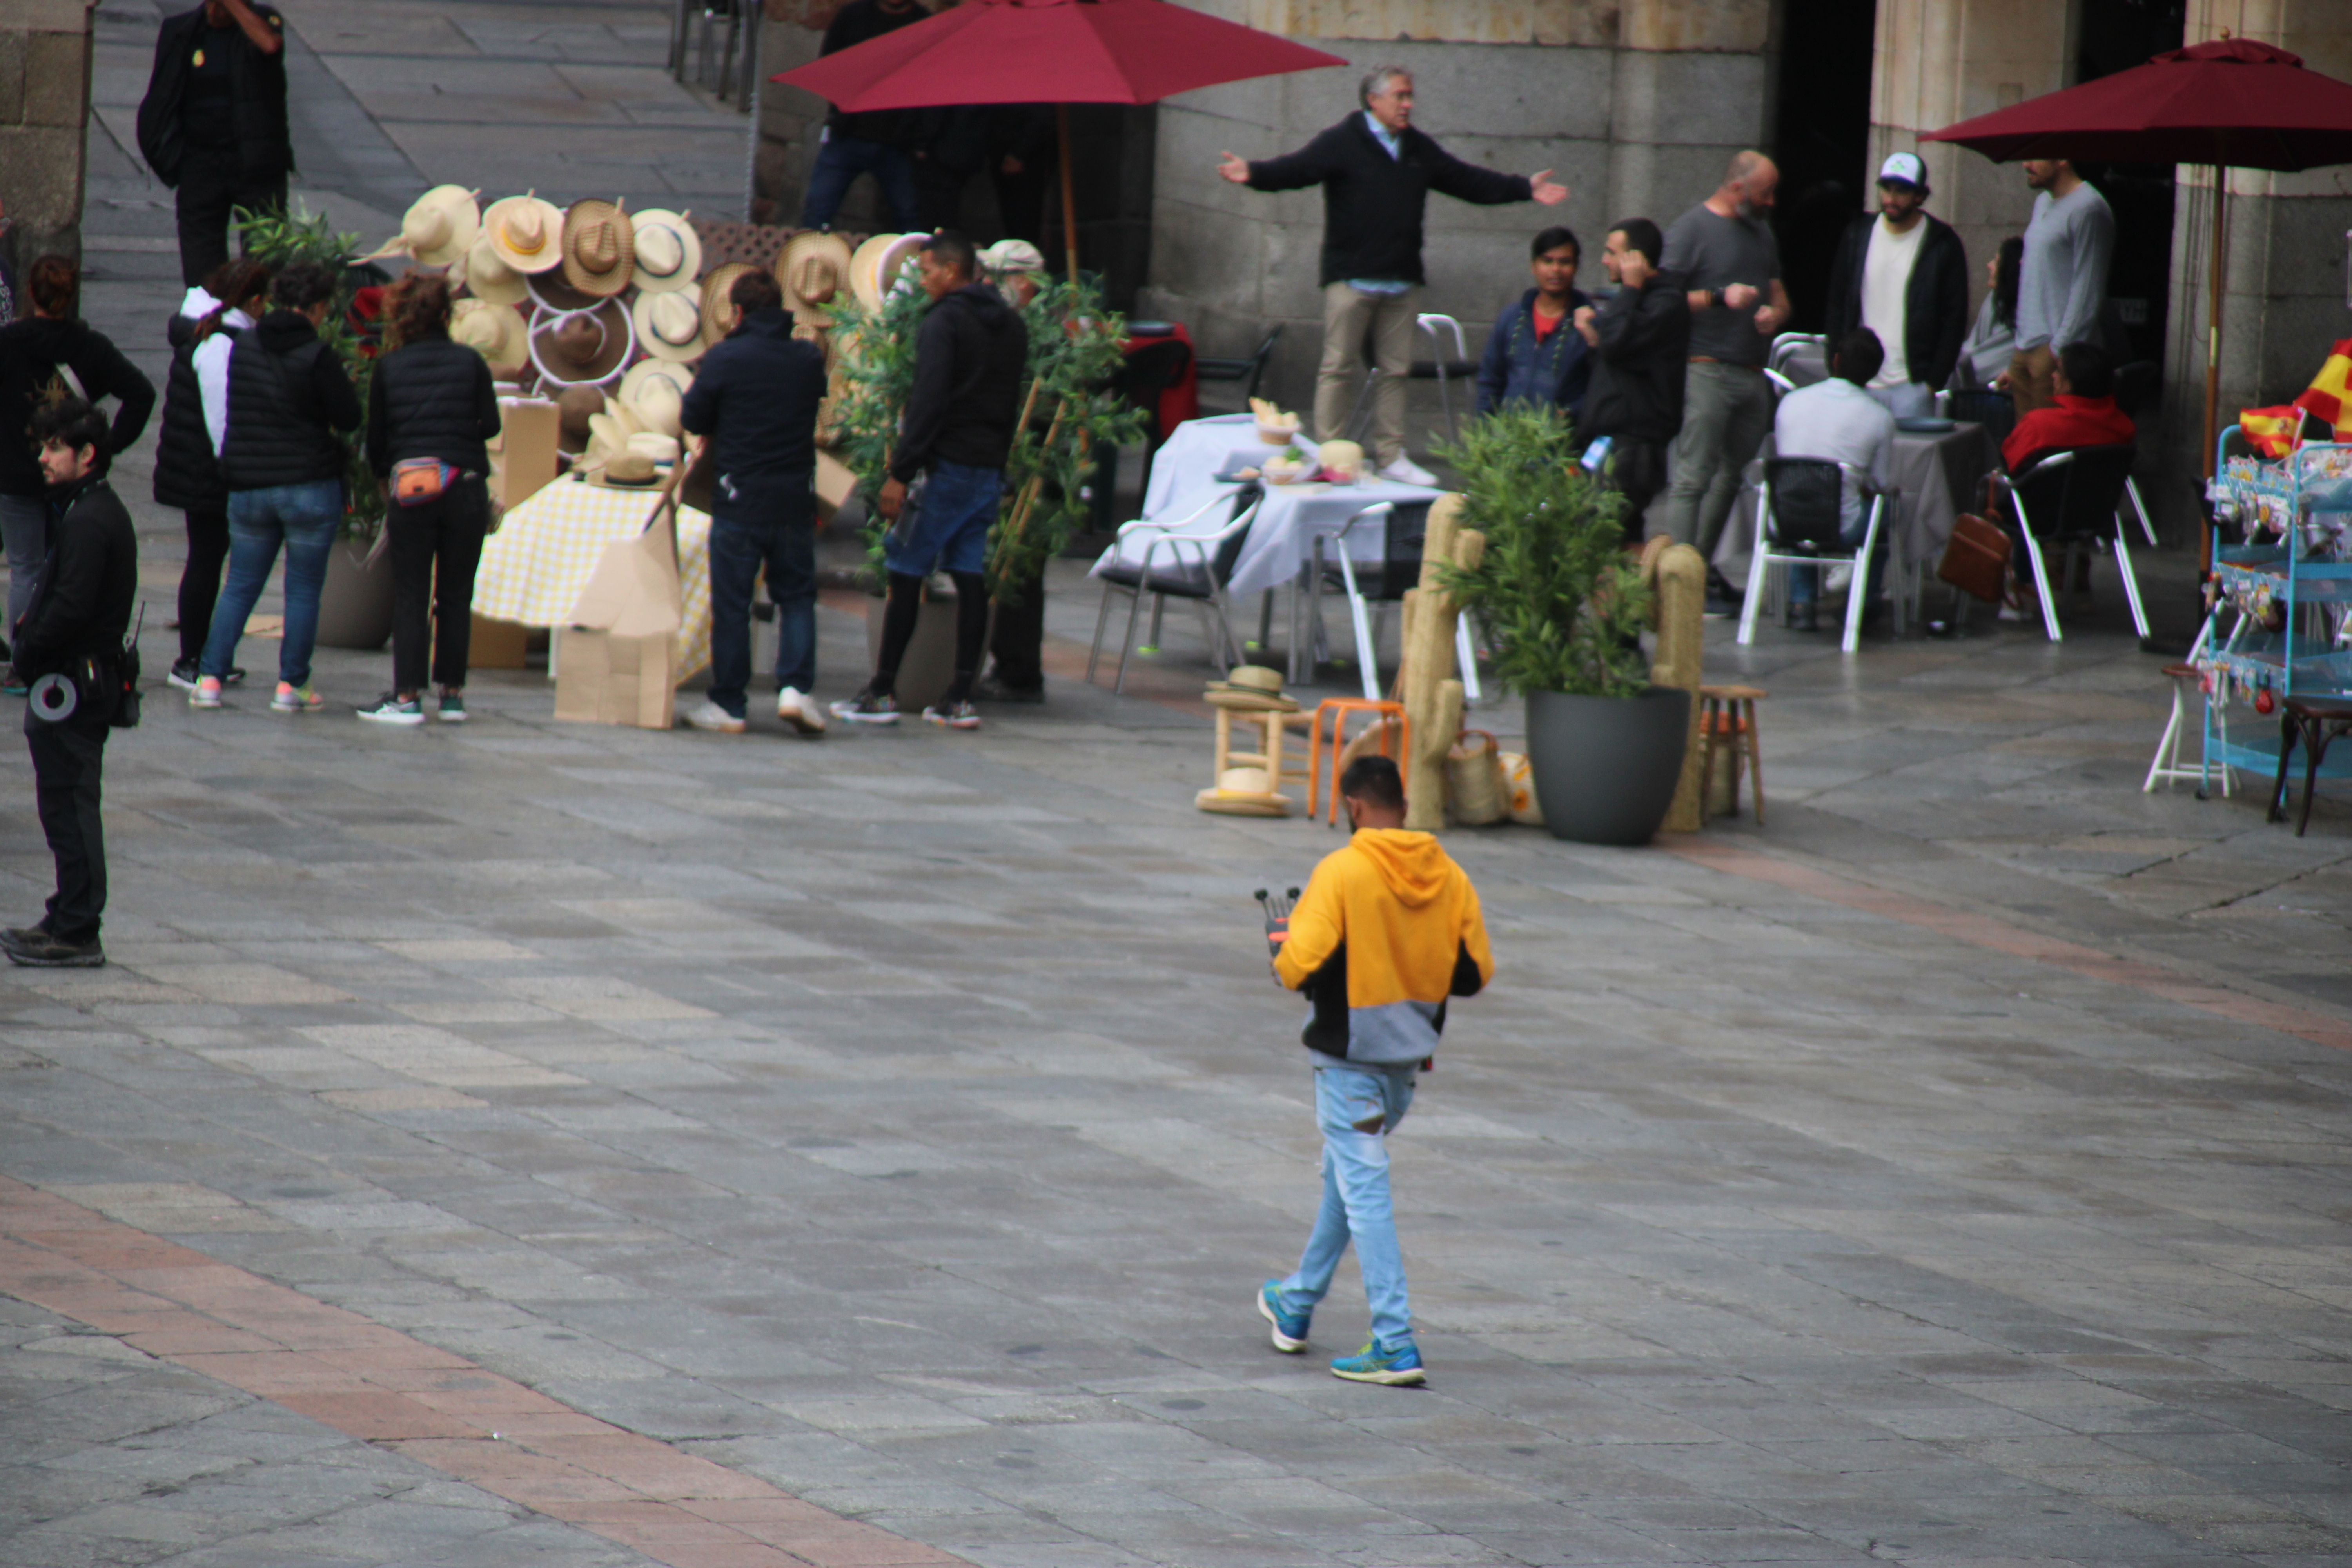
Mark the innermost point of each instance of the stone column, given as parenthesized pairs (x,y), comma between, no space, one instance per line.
(44,106)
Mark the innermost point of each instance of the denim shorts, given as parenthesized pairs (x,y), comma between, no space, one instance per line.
(950,531)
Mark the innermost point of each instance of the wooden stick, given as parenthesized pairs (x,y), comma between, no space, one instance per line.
(1027,502)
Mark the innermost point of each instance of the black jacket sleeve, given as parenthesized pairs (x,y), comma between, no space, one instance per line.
(1310,165)
(487,413)
(379,425)
(104,373)
(337,404)
(68,602)
(1843,312)
(1635,322)
(926,403)
(699,411)
(159,112)
(1952,315)
(1469,182)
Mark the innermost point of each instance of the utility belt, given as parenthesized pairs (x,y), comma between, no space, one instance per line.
(90,683)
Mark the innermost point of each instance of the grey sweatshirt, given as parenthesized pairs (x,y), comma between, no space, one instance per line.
(2063,278)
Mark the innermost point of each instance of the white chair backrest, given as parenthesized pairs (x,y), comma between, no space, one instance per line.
(1432,321)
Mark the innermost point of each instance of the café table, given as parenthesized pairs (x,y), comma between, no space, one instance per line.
(534,566)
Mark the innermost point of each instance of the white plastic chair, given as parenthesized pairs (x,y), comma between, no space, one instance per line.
(1764,556)
(1196,561)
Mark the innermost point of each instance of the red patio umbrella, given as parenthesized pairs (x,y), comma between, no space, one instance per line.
(1050,51)
(2233,103)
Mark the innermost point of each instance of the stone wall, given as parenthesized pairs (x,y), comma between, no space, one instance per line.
(44,102)
(1636,107)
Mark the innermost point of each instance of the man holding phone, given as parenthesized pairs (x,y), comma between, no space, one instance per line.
(1639,338)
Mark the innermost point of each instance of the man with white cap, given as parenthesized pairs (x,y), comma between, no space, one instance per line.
(1904,276)
(1016,637)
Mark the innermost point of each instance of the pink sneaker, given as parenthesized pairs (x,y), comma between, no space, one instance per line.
(296,700)
(205,693)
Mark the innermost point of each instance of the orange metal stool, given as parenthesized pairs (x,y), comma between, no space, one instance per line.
(1339,707)
(1728,720)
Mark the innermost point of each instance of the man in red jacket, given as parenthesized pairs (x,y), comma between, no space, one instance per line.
(2085,415)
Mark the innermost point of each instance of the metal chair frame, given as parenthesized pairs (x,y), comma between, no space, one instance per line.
(1251,370)
(1360,608)
(1216,623)
(1764,557)
(2011,485)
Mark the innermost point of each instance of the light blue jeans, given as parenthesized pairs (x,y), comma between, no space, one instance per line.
(1357,1107)
(305,519)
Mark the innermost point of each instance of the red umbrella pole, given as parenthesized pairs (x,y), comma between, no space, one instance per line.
(1069,200)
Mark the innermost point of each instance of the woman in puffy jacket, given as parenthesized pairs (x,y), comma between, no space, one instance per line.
(431,412)
(196,412)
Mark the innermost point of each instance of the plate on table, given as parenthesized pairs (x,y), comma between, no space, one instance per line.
(1926,425)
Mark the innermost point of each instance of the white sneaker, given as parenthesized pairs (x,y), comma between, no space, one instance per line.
(713,717)
(795,708)
(1839,580)
(1406,471)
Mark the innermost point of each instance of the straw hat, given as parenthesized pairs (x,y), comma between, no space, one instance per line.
(1251,688)
(625,470)
(653,444)
(575,406)
(654,391)
(670,325)
(1013,256)
(585,347)
(437,226)
(718,309)
(885,255)
(549,289)
(812,269)
(526,232)
(496,330)
(600,248)
(487,277)
(669,251)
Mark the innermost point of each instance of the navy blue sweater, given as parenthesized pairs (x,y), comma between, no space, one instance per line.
(1516,368)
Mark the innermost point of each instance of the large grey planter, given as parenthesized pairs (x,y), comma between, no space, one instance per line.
(355,602)
(1606,767)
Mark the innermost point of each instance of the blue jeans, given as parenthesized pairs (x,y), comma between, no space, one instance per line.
(1356,1107)
(738,550)
(1805,581)
(839,162)
(304,519)
(950,531)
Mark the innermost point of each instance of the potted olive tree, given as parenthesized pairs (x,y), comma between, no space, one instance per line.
(1564,606)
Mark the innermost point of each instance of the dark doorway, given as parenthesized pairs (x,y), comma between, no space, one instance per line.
(2117,34)
(1821,141)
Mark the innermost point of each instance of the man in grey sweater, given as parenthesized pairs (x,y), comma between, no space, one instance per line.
(2062,281)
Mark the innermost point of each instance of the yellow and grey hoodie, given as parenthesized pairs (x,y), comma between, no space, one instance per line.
(1387,930)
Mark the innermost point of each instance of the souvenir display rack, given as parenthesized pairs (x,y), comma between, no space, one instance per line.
(2280,624)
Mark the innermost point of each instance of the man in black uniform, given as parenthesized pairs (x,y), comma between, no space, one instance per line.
(879,142)
(74,630)
(213,123)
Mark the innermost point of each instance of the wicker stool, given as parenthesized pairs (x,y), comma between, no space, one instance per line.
(1728,719)
(1339,707)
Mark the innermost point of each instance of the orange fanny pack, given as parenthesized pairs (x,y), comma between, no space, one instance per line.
(416,480)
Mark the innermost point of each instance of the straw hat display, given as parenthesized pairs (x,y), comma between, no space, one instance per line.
(586,347)
(600,248)
(653,444)
(718,309)
(668,252)
(874,270)
(526,232)
(812,269)
(654,391)
(488,278)
(437,227)
(497,332)
(670,326)
(550,291)
(626,470)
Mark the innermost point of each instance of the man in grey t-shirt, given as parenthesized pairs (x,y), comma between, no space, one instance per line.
(1723,252)
(2063,281)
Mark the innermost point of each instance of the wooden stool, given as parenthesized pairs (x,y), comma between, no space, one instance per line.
(1269,722)
(2312,721)
(1339,707)
(1729,713)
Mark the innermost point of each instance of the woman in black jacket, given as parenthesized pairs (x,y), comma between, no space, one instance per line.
(187,467)
(48,349)
(431,410)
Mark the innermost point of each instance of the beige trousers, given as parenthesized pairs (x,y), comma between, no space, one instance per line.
(1349,314)
(2029,383)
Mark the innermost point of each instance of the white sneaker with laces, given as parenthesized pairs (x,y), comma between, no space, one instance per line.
(800,710)
(713,717)
(1406,471)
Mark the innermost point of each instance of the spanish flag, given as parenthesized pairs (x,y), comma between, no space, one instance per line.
(2271,432)
(2329,396)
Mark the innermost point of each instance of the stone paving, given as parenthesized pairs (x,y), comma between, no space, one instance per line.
(1951,1172)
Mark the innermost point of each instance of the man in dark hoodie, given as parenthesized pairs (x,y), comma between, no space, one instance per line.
(74,630)
(47,351)
(213,125)
(969,359)
(754,401)
(1641,341)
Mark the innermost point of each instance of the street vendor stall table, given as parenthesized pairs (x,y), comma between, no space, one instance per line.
(534,566)
(1939,475)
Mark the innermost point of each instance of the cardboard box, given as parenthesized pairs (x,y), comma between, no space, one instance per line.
(834,484)
(524,459)
(616,662)
(498,645)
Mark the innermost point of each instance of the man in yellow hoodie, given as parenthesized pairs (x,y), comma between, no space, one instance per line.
(1387,928)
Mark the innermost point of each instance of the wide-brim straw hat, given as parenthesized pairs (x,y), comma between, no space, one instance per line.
(1251,678)
(654,391)
(661,448)
(889,255)
(625,470)
(669,251)
(718,309)
(670,326)
(487,277)
(437,226)
(583,348)
(812,271)
(549,291)
(600,248)
(526,232)
(497,332)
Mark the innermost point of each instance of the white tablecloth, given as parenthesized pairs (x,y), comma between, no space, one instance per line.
(1282,537)
(534,566)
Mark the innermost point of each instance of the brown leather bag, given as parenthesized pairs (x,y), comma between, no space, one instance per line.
(1976,559)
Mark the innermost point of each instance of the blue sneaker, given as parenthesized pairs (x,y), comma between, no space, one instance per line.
(1289,1327)
(1397,1368)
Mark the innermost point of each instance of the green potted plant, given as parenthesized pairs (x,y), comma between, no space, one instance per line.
(1564,607)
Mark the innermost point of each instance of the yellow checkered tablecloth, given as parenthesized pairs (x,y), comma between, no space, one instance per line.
(534,566)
